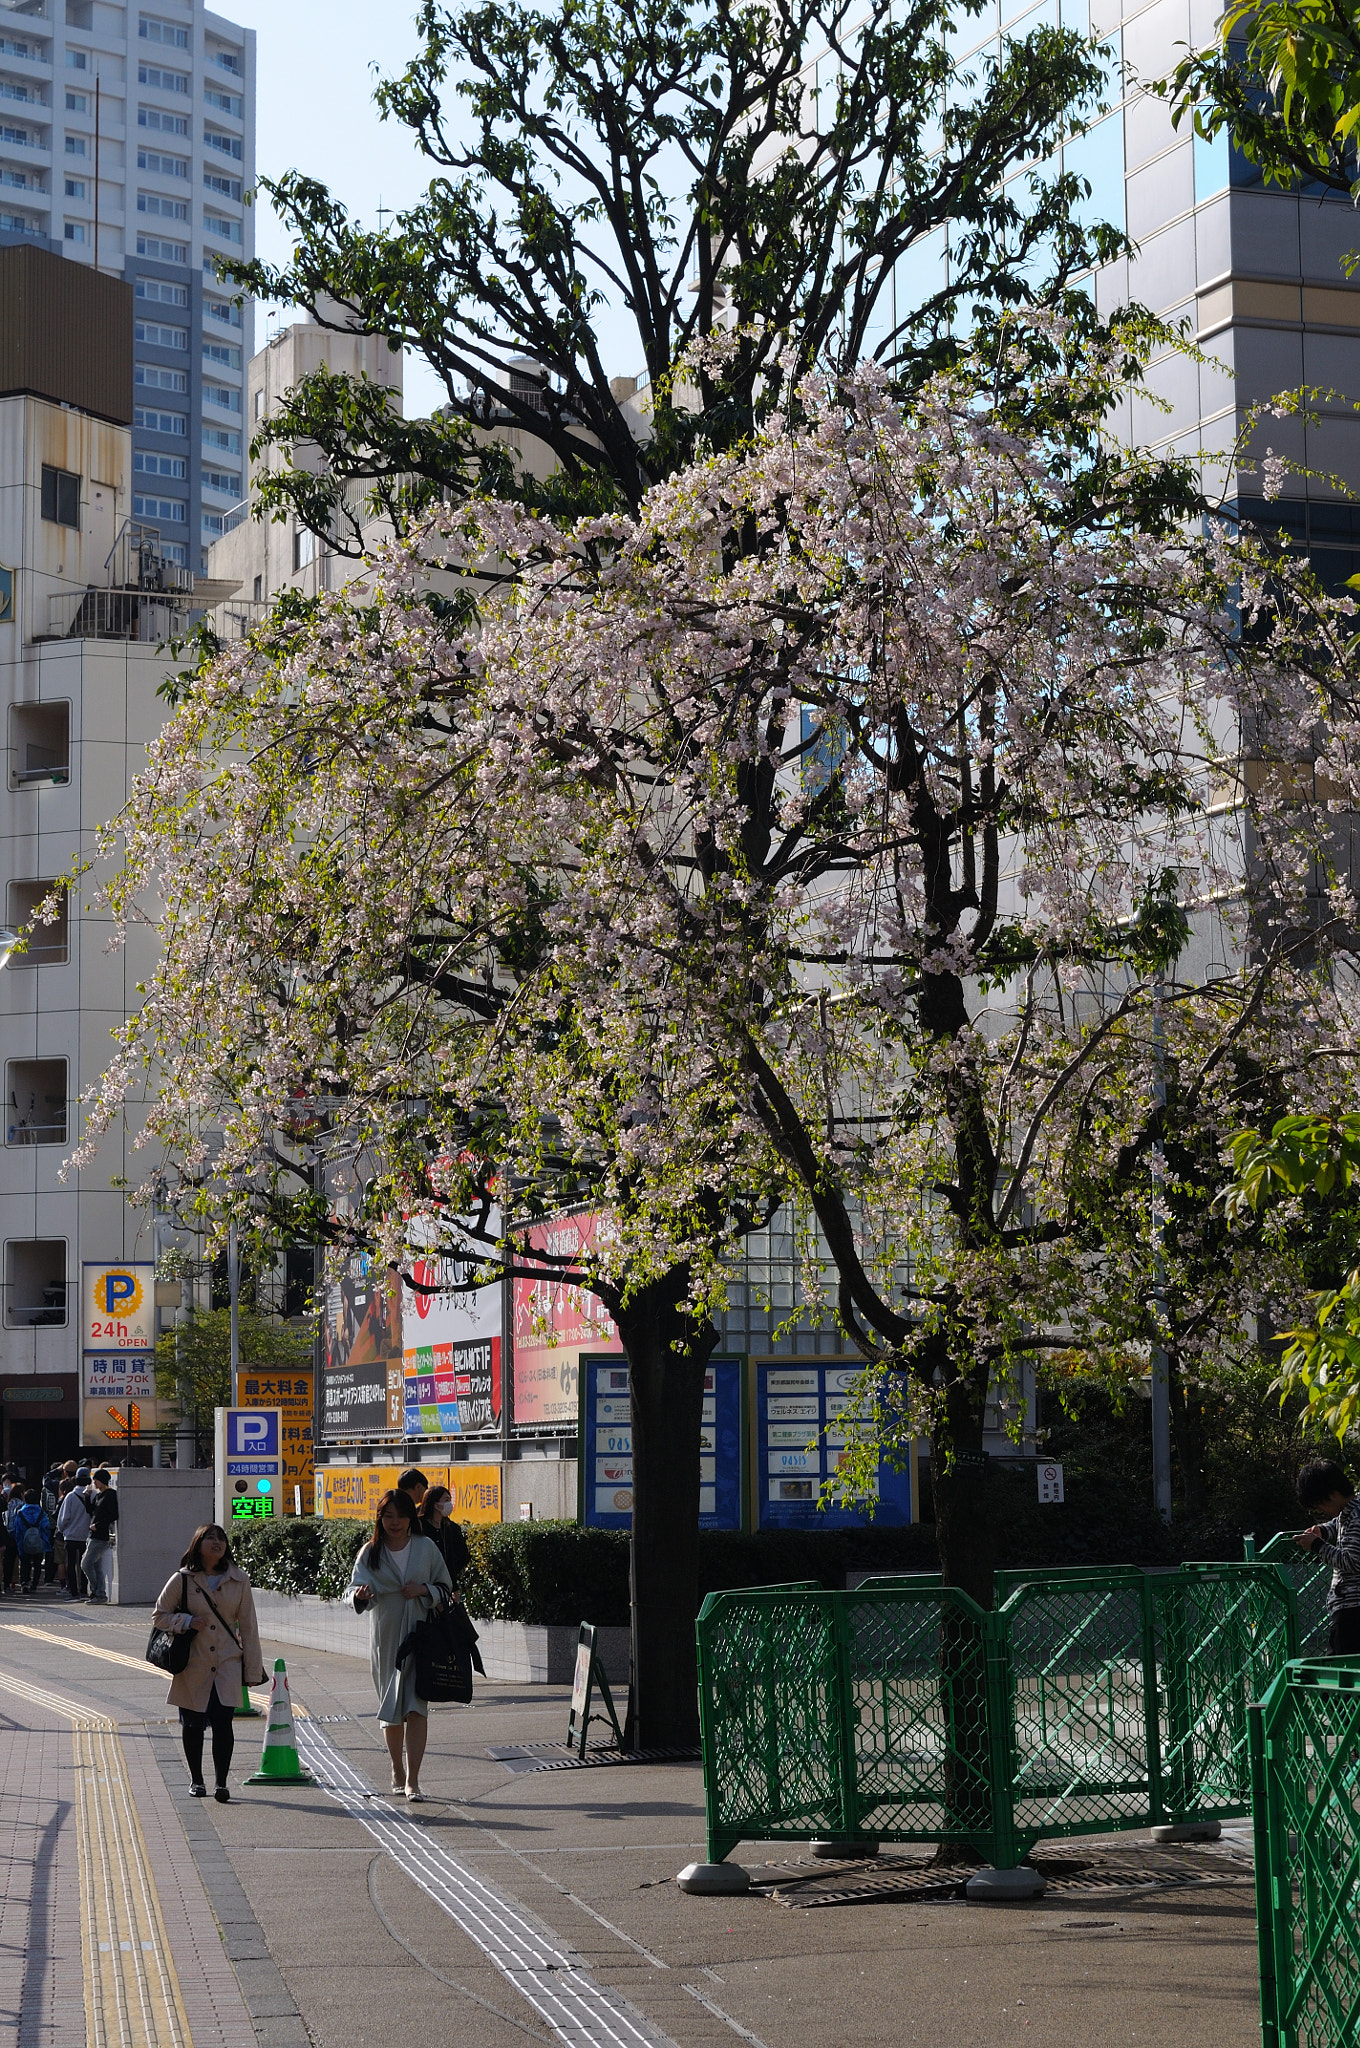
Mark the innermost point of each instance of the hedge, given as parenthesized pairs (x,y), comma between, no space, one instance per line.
(547,1572)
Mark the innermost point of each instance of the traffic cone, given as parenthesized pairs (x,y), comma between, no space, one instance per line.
(247,1711)
(279,1762)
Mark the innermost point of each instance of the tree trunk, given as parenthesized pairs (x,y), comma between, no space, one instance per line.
(964,1533)
(1188,1435)
(668,1353)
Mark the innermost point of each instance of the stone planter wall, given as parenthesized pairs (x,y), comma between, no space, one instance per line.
(516,1652)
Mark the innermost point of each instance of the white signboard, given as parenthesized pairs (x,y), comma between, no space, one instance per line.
(118,1303)
(108,1377)
(1050,1482)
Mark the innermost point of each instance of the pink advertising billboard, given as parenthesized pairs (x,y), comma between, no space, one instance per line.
(555,1321)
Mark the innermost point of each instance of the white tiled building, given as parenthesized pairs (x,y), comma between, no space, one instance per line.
(127,139)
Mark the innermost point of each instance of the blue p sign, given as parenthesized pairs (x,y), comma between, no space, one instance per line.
(119,1288)
(252,1433)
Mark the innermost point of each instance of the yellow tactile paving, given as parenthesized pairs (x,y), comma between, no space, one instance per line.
(260,1695)
(132,1994)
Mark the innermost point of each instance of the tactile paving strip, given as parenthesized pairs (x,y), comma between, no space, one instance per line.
(551,1978)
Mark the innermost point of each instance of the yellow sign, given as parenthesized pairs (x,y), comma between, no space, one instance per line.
(105,1422)
(119,1306)
(351,1492)
(291,1393)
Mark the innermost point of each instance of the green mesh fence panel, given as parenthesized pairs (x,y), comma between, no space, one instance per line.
(917,1664)
(1311,1578)
(1222,1632)
(1091,1701)
(1306,1798)
(1078,1671)
(771,1701)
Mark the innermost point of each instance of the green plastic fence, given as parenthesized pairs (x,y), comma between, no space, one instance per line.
(1088,1701)
(1311,1577)
(1305,1755)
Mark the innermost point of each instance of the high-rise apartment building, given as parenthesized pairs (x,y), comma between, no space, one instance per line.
(127,141)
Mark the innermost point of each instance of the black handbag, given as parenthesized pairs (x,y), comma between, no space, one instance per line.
(444,1647)
(169,1648)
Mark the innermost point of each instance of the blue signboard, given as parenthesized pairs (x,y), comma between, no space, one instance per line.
(252,1440)
(799,1439)
(607,1445)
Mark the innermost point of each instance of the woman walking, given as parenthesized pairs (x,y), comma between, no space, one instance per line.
(211,1596)
(400,1575)
(436,1522)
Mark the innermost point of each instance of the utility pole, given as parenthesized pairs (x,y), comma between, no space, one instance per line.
(1161,1364)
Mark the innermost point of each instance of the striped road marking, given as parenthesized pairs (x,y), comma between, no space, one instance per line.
(580,2012)
(132,1994)
(48,1635)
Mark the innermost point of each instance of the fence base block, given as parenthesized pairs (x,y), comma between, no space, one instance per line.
(843,1848)
(1001,1887)
(1190,1831)
(714,1877)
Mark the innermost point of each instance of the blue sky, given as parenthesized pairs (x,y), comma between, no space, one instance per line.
(315,112)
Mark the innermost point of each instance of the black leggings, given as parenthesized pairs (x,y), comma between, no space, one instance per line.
(192,1728)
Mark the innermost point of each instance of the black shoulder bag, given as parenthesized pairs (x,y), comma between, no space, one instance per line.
(169,1648)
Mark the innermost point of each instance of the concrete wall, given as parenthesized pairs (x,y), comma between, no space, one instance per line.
(158,1512)
(547,1484)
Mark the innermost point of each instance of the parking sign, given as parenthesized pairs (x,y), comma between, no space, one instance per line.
(249,1464)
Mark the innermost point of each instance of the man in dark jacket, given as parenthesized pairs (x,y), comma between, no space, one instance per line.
(97,1562)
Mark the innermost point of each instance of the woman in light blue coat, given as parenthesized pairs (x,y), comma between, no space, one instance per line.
(399,1577)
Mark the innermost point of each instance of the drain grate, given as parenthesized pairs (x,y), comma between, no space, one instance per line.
(529,1756)
(1107,1873)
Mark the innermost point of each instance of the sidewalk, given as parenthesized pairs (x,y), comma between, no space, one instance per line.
(540,1902)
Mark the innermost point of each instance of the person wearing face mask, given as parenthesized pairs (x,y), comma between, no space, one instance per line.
(399,1578)
(211,1596)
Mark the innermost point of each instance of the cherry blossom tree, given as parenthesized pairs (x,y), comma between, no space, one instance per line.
(830,829)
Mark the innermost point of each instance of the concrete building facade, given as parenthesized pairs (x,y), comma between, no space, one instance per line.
(127,142)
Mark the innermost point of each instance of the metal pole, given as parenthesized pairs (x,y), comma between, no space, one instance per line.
(234,1295)
(1161,1364)
(186,1436)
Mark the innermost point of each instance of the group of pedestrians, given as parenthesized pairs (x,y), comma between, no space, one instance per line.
(59,1533)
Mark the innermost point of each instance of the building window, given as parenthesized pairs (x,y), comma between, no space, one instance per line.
(218,352)
(161,292)
(227,60)
(76,103)
(47,943)
(35,1102)
(160,251)
(304,547)
(153,421)
(162,204)
(226,188)
(76,60)
(218,224)
(228,102)
(228,481)
(162,121)
(75,145)
(60,496)
(75,188)
(222,396)
(167,81)
(173,510)
(19,136)
(153,377)
(212,526)
(148,464)
(257,590)
(152,29)
(156,160)
(225,145)
(75,231)
(228,439)
(35,1283)
(159,335)
(39,744)
(230,316)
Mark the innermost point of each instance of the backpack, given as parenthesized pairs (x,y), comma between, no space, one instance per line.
(33,1543)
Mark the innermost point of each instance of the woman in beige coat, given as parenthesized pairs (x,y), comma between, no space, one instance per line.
(211,1596)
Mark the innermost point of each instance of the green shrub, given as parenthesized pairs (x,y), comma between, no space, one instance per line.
(341,1543)
(546,1572)
(282,1557)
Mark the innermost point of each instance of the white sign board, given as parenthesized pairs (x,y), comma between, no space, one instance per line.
(1050,1483)
(118,1303)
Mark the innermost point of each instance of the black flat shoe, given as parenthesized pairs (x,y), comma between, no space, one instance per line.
(198,1790)
(221,1795)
